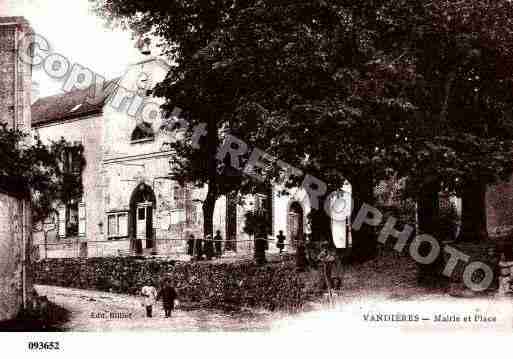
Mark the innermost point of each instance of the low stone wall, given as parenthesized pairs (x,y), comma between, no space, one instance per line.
(15,238)
(241,284)
(505,278)
(486,252)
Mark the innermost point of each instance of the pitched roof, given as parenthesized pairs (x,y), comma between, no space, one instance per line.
(69,105)
(13,20)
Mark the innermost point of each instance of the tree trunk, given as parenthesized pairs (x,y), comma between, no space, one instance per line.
(428,220)
(208,213)
(231,222)
(473,213)
(428,210)
(320,224)
(364,240)
(210,200)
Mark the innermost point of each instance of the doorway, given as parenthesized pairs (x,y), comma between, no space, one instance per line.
(295,223)
(142,204)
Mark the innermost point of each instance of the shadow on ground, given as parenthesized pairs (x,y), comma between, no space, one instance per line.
(51,322)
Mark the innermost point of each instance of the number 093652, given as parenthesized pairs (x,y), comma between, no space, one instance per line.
(43,345)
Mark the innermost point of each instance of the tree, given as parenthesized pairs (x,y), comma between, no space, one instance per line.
(188,32)
(279,74)
(257,224)
(462,138)
(345,91)
(41,169)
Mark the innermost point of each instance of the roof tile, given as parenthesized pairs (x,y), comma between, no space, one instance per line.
(68,105)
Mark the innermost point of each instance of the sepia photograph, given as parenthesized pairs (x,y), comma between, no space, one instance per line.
(268,167)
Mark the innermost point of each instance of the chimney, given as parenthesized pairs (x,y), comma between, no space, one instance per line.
(16,78)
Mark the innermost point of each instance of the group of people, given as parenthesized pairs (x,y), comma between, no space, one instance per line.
(167,293)
(208,248)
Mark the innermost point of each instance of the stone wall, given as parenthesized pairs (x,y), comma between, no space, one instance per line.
(499,207)
(487,252)
(14,242)
(505,278)
(241,284)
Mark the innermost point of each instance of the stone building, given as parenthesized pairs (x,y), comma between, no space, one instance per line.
(15,214)
(129,200)
(130,204)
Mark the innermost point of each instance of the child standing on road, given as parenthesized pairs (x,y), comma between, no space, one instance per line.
(149,294)
(168,294)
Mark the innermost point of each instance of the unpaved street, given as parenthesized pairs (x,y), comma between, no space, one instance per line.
(91,311)
(384,286)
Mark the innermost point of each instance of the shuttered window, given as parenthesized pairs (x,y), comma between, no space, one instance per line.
(178,216)
(81,219)
(117,225)
(123,224)
(62,221)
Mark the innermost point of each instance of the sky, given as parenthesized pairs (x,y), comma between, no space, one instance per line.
(77,34)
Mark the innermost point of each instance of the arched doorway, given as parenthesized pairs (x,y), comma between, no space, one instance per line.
(142,205)
(295,223)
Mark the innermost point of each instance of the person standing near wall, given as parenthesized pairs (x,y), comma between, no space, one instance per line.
(281,241)
(190,245)
(198,246)
(149,294)
(301,261)
(260,247)
(209,247)
(168,294)
(218,241)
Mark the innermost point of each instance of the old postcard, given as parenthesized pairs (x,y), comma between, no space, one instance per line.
(262,166)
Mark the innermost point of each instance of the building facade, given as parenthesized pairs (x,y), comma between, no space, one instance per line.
(130,203)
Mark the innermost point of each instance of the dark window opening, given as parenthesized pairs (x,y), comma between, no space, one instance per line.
(72,219)
(141,213)
(142,131)
(71,160)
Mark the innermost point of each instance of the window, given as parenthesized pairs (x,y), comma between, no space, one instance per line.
(143,131)
(71,160)
(62,221)
(143,84)
(141,213)
(179,197)
(178,216)
(261,203)
(197,214)
(71,219)
(117,225)
(81,219)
